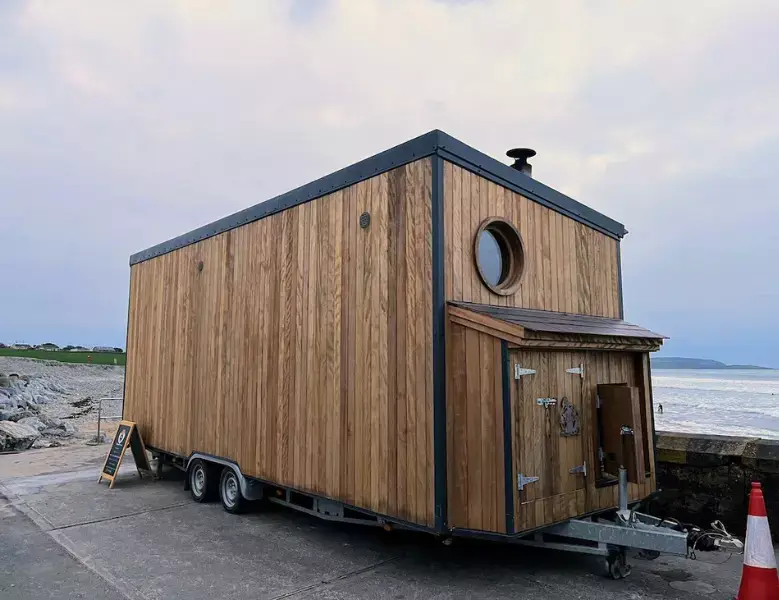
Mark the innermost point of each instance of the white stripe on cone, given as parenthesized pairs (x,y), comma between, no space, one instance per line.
(759,551)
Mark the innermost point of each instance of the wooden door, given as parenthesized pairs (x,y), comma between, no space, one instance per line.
(621,429)
(548,437)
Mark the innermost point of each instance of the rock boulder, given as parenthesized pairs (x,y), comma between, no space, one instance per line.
(33,422)
(16,436)
(15,414)
(50,422)
(63,429)
(44,443)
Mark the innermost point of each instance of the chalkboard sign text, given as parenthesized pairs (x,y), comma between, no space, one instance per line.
(127,435)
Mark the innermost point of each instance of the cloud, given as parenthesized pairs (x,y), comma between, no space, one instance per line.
(127,124)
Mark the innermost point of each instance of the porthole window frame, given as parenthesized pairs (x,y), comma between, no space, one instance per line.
(512,249)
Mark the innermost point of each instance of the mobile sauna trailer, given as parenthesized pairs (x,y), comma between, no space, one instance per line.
(428,338)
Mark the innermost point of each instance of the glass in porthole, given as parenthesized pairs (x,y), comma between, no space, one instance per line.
(490,258)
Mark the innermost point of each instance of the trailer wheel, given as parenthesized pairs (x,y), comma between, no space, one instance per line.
(617,564)
(202,481)
(230,492)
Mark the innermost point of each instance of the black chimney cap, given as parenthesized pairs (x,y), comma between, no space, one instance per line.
(520,153)
(520,156)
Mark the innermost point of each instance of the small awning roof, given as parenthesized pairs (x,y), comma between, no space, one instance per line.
(544,321)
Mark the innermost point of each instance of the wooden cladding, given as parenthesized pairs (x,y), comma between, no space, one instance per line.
(303,349)
(476,448)
(568,267)
(475,445)
(540,450)
(559,494)
(300,345)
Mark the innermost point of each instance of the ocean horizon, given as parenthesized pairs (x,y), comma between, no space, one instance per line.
(739,402)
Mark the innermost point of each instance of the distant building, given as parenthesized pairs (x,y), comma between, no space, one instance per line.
(2,345)
(21,347)
(79,349)
(104,349)
(48,346)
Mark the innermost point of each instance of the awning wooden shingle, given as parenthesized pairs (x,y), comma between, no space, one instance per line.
(540,328)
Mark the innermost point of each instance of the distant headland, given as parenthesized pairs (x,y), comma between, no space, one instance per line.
(677,362)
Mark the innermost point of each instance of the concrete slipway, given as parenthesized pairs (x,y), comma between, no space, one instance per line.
(62,535)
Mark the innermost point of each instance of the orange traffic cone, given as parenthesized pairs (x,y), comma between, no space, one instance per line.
(759,580)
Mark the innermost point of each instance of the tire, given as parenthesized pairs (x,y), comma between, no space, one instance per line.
(230,492)
(617,565)
(202,481)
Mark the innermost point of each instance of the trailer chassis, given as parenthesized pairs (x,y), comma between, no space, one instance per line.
(626,529)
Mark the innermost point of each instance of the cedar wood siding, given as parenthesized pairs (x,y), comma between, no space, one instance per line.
(302,350)
(629,368)
(569,267)
(475,456)
(475,435)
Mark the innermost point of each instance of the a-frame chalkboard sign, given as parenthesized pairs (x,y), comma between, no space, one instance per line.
(127,434)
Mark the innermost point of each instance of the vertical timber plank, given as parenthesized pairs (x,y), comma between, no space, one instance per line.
(457,235)
(426,302)
(474,429)
(489,484)
(391,346)
(403,341)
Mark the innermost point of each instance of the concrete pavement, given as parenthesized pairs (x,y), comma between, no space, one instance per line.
(34,565)
(63,535)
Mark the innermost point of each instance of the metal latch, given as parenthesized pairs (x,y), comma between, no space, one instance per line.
(519,371)
(546,402)
(522,481)
(576,370)
(580,469)
(625,430)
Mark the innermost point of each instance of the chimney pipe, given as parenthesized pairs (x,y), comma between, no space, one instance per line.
(520,156)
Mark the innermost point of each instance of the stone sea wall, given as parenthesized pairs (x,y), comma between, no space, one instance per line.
(708,477)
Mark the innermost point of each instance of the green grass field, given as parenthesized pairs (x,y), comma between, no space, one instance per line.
(98,358)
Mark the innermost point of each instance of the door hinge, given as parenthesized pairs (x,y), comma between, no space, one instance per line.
(546,402)
(519,371)
(580,469)
(576,371)
(522,481)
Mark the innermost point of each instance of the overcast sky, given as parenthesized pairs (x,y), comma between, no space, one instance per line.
(123,124)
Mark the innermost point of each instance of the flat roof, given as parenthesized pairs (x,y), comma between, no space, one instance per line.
(433,143)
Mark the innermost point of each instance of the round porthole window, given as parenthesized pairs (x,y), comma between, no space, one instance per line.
(500,255)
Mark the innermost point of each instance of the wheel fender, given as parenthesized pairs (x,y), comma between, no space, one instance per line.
(250,489)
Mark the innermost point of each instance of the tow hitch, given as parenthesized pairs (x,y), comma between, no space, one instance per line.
(630,529)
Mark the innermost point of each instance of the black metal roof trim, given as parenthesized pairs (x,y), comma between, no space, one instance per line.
(467,157)
(434,142)
(560,322)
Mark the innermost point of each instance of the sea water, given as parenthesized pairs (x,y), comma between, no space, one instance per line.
(723,402)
